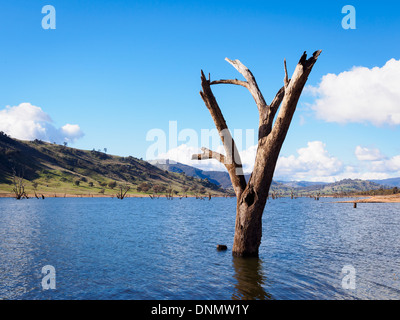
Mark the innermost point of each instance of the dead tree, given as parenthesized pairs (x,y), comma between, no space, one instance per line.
(18,185)
(169,195)
(122,191)
(251,196)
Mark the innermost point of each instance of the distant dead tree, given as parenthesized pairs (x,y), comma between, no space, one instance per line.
(122,191)
(34,186)
(251,196)
(169,195)
(18,185)
(185,189)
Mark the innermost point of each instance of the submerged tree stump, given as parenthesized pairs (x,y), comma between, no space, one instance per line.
(222,247)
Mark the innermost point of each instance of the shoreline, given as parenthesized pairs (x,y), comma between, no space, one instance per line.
(69,195)
(395,198)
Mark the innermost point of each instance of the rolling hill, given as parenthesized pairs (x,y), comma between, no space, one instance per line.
(55,168)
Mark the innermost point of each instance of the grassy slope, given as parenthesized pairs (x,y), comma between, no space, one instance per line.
(55,168)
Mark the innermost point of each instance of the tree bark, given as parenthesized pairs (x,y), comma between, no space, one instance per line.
(252,197)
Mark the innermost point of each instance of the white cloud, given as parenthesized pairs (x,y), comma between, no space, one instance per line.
(312,163)
(248,158)
(360,95)
(391,165)
(29,122)
(71,132)
(365,154)
(377,164)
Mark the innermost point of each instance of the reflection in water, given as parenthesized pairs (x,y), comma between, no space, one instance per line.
(249,279)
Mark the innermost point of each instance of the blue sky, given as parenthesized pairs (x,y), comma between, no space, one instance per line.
(118,69)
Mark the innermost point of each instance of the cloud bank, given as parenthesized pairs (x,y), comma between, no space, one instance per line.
(376,162)
(29,122)
(366,154)
(310,163)
(360,95)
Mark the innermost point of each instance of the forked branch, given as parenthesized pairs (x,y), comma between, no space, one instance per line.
(251,84)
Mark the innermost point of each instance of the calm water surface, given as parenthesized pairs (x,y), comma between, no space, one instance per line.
(158,249)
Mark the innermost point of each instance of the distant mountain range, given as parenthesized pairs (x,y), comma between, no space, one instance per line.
(284,187)
(301,184)
(218,177)
(392,182)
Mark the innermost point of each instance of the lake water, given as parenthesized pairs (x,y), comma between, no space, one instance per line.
(139,248)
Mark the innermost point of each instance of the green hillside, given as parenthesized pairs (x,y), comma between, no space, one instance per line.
(53,168)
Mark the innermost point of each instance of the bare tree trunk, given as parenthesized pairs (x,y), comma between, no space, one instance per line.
(251,197)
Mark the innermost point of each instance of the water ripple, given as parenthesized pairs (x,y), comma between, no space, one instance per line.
(160,249)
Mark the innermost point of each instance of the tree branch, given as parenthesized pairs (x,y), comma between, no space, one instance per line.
(292,93)
(286,79)
(231,81)
(209,154)
(232,159)
(251,84)
(270,144)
